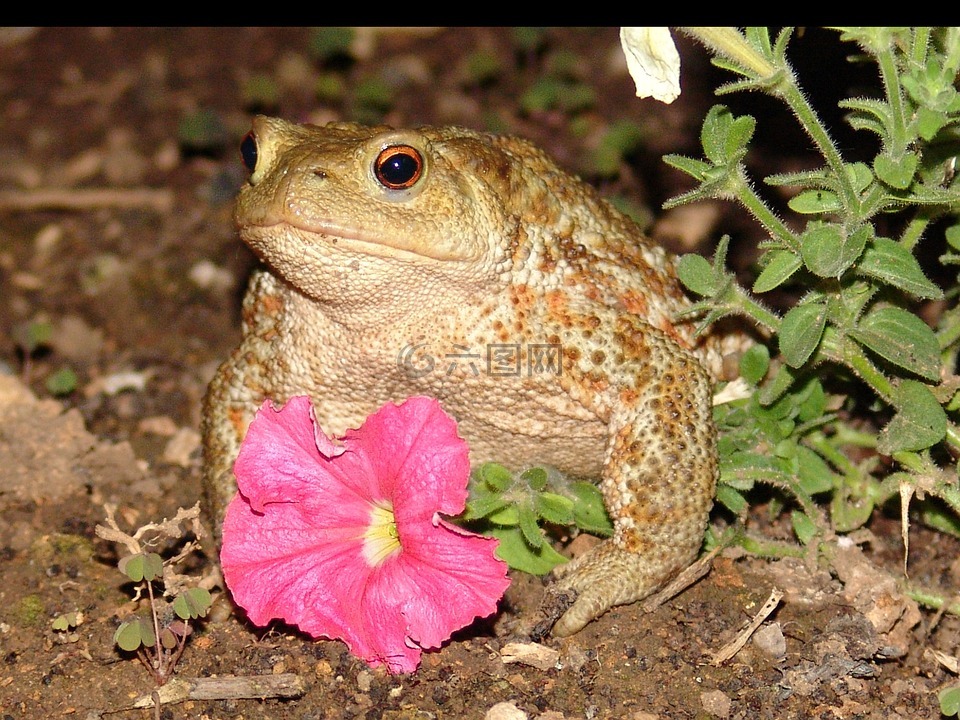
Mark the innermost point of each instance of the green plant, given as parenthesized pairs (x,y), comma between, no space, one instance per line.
(512,507)
(34,338)
(158,635)
(329,43)
(31,337)
(202,131)
(950,701)
(860,292)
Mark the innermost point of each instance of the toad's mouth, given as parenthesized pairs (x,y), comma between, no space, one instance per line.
(267,236)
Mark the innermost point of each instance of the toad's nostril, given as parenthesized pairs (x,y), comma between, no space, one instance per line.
(322,174)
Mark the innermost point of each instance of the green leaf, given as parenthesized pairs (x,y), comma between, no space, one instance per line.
(892,263)
(754,363)
(134,633)
(743,469)
(780,266)
(62,382)
(508,515)
(902,338)
(896,172)
(952,234)
(800,332)
(536,478)
(192,603)
(803,526)
(697,275)
(732,500)
(527,520)
(167,639)
(827,252)
(554,508)
(811,202)
(950,700)
(929,122)
(920,421)
(812,401)
(724,137)
(777,385)
(868,114)
(940,517)
(860,176)
(694,168)
(517,553)
(589,511)
(127,635)
(814,474)
(479,507)
(848,513)
(142,566)
(65,622)
(495,475)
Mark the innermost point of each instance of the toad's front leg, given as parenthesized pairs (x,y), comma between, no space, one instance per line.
(237,389)
(658,480)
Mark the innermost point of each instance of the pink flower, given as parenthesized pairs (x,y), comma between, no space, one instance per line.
(347,540)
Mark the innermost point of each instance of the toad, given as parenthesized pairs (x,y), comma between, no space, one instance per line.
(469,267)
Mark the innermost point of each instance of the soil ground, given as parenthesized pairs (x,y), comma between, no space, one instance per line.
(116,232)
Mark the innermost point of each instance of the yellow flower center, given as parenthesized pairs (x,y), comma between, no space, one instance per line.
(381,539)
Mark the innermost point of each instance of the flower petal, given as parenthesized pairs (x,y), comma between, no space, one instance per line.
(653,61)
(454,578)
(414,445)
(280,461)
(277,566)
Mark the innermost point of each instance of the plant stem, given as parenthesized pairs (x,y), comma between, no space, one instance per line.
(914,231)
(953,436)
(891,85)
(749,198)
(931,600)
(769,548)
(791,94)
(848,353)
(729,43)
(921,40)
(746,305)
(160,670)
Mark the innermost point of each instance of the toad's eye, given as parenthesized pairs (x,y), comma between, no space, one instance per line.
(398,167)
(248,151)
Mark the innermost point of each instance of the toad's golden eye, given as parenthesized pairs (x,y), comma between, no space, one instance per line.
(398,167)
(248,151)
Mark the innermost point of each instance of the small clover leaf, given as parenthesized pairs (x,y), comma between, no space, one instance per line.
(142,566)
(192,603)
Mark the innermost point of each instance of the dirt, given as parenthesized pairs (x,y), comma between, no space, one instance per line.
(116,232)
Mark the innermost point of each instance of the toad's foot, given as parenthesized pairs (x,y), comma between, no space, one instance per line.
(592,584)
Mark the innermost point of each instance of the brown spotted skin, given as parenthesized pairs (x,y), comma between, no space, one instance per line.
(371,294)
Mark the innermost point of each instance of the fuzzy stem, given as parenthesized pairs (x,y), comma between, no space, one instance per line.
(849,353)
(921,41)
(932,600)
(891,85)
(769,548)
(746,305)
(749,198)
(914,231)
(810,122)
(730,43)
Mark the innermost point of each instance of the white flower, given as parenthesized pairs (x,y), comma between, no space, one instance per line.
(653,61)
